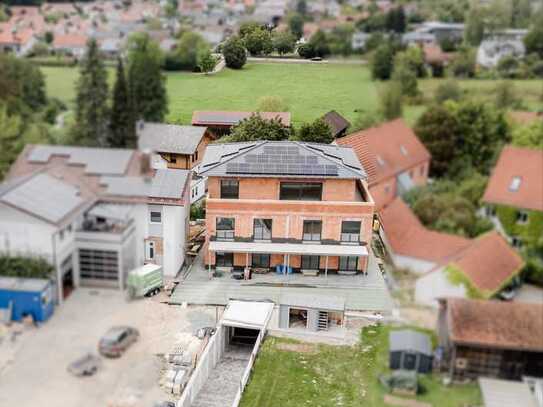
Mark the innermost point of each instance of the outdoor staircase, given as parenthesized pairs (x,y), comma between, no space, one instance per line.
(322,324)
(223,382)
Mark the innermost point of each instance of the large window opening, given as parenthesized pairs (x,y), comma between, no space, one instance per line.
(262,229)
(229,189)
(310,262)
(223,259)
(297,318)
(297,191)
(350,231)
(260,260)
(312,230)
(348,263)
(225,228)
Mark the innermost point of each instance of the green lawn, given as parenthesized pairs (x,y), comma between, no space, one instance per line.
(337,376)
(309,90)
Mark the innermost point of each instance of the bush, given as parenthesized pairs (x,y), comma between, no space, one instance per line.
(26,267)
(382,62)
(508,67)
(407,79)
(448,90)
(317,132)
(390,101)
(463,65)
(271,104)
(306,51)
(284,42)
(234,53)
(505,95)
(258,42)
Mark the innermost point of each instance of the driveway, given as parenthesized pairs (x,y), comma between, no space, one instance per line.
(37,374)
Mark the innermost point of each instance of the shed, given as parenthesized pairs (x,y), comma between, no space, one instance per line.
(26,296)
(338,124)
(410,350)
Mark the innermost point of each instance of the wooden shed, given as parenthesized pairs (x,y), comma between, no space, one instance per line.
(410,350)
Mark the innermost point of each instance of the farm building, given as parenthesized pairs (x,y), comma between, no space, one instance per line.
(23,297)
(410,350)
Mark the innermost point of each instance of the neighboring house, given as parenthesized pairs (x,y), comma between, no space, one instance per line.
(514,195)
(482,270)
(393,157)
(359,40)
(509,393)
(411,245)
(490,52)
(338,124)
(290,206)
(181,147)
(18,42)
(220,122)
(88,211)
(491,338)
(434,32)
(70,44)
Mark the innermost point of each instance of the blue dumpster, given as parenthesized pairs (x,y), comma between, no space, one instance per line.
(27,296)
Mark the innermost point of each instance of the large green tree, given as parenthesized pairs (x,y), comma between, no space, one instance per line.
(91,107)
(316,132)
(189,47)
(296,25)
(11,128)
(122,125)
(284,42)
(258,41)
(390,100)
(146,83)
(234,53)
(534,39)
(256,128)
(382,62)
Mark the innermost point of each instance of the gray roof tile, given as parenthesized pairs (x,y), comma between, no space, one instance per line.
(168,183)
(169,138)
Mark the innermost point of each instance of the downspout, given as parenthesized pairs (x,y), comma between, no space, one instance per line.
(55,266)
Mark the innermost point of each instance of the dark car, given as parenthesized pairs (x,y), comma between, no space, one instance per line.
(86,365)
(117,340)
(165,404)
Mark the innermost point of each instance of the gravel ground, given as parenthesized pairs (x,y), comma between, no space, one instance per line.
(33,367)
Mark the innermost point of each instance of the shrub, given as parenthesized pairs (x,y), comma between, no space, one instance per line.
(26,267)
(271,104)
(234,53)
(448,90)
(382,62)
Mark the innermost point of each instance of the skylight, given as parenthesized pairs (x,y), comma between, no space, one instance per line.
(515,184)
(403,150)
(380,161)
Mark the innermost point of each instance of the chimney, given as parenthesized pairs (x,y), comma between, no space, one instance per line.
(145,165)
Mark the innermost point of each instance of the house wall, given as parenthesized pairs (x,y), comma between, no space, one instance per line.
(434,285)
(417,266)
(174,221)
(259,199)
(189,161)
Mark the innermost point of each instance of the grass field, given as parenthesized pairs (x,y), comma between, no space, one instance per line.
(330,376)
(309,90)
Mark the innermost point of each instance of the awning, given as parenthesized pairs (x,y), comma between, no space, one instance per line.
(288,248)
(247,314)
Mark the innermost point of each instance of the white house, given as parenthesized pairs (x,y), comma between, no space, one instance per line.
(490,52)
(18,42)
(92,213)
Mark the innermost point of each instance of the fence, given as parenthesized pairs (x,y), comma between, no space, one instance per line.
(207,362)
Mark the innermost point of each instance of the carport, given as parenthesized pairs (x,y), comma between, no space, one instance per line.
(244,320)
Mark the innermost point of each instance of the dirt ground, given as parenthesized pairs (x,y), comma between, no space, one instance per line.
(33,363)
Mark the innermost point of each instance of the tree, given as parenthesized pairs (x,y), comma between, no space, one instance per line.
(437,130)
(533,41)
(317,132)
(475,28)
(319,42)
(448,90)
(301,7)
(284,42)
(382,62)
(404,75)
(256,128)
(505,95)
(189,47)
(296,25)
(248,27)
(11,126)
(530,135)
(463,65)
(395,20)
(122,126)
(91,108)
(234,53)
(206,61)
(271,104)
(146,83)
(258,42)
(390,101)
(306,51)
(508,67)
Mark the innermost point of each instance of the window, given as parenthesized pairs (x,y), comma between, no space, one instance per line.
(173,159)
(380,160)
(516,242)
(297,191)
(515,184)
(490,210)
(229,189)
(155,217)
(262,229)
(310,262)
(312,230)
(223,259)
(225,228)
(260,260)
(150,250)
(349,263)
(522,217)
(350,231)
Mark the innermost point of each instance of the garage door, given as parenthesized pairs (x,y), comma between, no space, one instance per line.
(99,267)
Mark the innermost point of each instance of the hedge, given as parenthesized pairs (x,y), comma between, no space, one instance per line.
(27,267)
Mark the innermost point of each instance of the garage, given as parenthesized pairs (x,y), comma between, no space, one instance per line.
(99,267)
(312,313)
(244,320)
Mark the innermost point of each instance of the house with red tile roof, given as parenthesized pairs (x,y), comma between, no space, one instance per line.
(514,195)
(71,44)
(491,338)
(482,270)
(394,158)
(411,245)
(16,41)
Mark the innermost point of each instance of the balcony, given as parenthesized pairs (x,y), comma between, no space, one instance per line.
(113,232)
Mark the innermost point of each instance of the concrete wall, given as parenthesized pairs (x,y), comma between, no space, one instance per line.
(417,266)
(434,285)
(174,240)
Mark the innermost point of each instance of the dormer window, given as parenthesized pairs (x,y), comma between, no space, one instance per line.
(403,150)
(515,184)
(380,160)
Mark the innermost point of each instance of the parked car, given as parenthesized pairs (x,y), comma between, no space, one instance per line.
(165,404)
(86,365)
(117,340)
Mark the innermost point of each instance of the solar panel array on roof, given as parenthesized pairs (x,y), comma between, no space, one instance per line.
(281,160)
